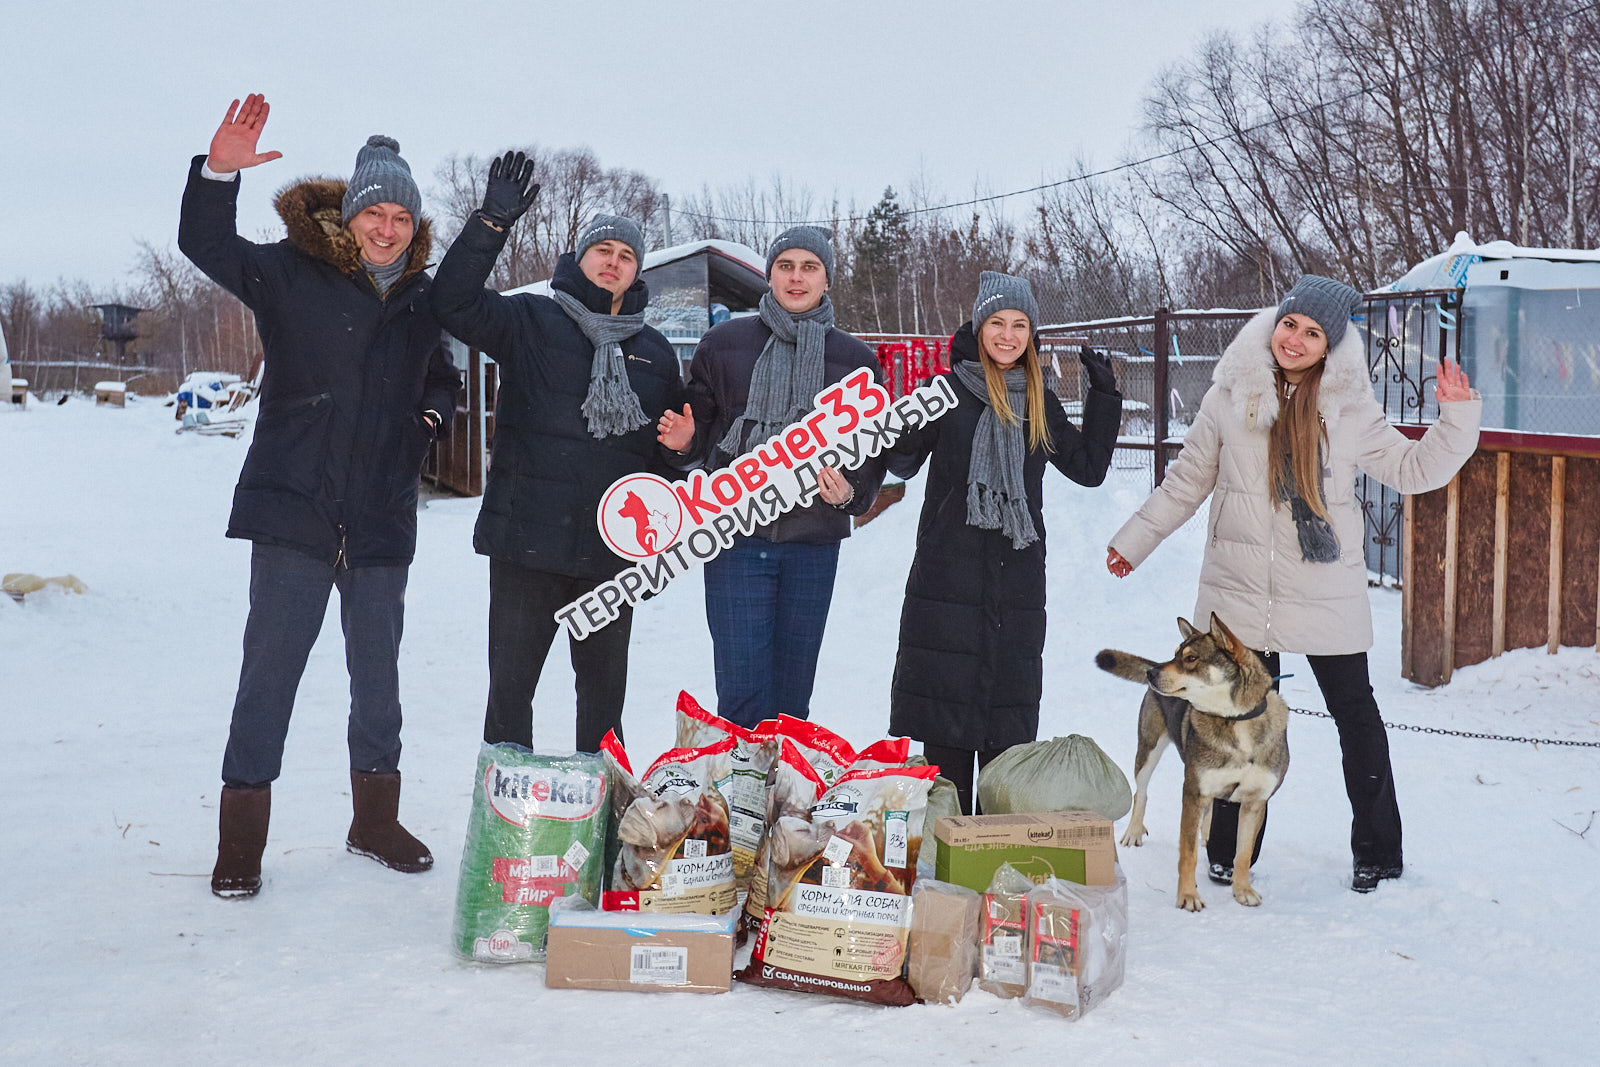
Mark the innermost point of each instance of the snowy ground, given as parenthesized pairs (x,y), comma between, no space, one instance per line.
(115,710)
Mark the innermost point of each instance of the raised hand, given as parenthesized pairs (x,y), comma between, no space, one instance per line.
(1098,365)
(675,430)
(1116,564)
(511,190)
(1452,384)
(233,146)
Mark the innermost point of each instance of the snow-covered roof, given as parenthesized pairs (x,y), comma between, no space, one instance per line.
(1448,269)
(742,254)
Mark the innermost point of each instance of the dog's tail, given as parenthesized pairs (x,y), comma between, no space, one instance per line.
(1124,665)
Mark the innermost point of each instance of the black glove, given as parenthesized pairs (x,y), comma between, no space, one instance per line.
(1098,366)
(511,190)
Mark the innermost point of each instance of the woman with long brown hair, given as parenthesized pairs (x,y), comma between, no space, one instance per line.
(1289,421)
(968,674)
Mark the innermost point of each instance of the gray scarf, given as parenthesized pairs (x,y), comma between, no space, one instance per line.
(385,277)
(997,498)
(787,375)
(612,407)
(1318,543)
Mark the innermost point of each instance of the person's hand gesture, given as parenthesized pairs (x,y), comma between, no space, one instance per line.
(1098,366)
(233,146)
(1116,564)
(511,190)
(675,430)
(836,488)
(1452,384)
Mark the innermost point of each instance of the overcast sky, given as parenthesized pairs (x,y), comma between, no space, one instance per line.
(104,103)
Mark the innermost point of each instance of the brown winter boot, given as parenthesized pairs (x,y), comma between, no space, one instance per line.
(376,831)
(241,838)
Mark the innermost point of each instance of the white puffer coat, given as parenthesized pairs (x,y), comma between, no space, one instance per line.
(1253,576)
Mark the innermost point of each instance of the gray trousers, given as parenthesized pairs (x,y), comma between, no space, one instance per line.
(288,600)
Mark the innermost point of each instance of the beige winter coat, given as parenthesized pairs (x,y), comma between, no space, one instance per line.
(1253,576)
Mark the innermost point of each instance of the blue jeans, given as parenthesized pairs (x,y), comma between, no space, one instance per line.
(288,598)
(766,606)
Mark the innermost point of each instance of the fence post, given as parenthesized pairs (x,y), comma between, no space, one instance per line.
(1158,390)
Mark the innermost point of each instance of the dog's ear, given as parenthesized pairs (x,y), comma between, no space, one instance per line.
(1186,628)
(1224,637)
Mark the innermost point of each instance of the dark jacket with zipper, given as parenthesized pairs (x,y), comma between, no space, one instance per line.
(719,390)
(547,472)
(969,671)
(339,440)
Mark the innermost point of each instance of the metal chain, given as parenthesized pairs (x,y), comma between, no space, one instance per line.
(1462,733)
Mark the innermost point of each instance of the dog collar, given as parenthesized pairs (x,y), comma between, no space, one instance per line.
(1255,713)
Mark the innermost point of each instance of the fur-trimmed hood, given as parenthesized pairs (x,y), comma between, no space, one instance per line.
(310,210)
(1246,371)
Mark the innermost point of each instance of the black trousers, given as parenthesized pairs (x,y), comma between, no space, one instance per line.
(956,765)
(1368,777)
(522,626)
(289,593)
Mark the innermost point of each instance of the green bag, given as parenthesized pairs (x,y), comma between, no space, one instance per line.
(1061,774)
(536,833)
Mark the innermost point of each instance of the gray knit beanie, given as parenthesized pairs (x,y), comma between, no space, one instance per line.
(381,177)
(1003,292)
(813,239)
(1326,302)
(611,228)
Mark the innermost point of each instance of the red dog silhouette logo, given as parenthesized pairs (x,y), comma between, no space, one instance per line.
(640,516)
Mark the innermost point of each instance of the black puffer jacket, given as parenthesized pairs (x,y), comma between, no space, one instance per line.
(339,440)
(970,666)
(719,389)
(547,473)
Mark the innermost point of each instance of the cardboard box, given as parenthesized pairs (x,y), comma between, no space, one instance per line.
(642,951)
(1078,846)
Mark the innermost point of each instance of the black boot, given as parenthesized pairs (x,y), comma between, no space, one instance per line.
(241,838)
(376,831)
(1367,875)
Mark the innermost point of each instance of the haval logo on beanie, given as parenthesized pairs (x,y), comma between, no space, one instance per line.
(521,794)
(640,516)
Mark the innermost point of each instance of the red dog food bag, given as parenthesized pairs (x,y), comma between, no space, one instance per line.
(838,894)
(745,788)
(673,848)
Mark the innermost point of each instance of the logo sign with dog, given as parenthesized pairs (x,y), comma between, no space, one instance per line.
(670,527)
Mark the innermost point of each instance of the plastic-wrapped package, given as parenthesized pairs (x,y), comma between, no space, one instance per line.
(1077,944)
(673,852)
(943,801)
(1003,935)
(536,833)
(1061,774)
(745,789)
(943,953)
(839,882)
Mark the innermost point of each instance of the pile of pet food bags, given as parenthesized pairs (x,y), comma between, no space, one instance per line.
(819,840)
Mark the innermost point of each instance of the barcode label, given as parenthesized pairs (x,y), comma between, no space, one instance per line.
(546,866)
(658,966)
(576,855)
(694,849)
(1007,945)
(836,877)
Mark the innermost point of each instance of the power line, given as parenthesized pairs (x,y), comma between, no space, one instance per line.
(1363,90)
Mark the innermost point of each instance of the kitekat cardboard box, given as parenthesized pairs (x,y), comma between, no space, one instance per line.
(642,951)
(1078,846)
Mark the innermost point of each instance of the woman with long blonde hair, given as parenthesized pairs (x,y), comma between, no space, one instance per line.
(968,674)
(1289,421)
